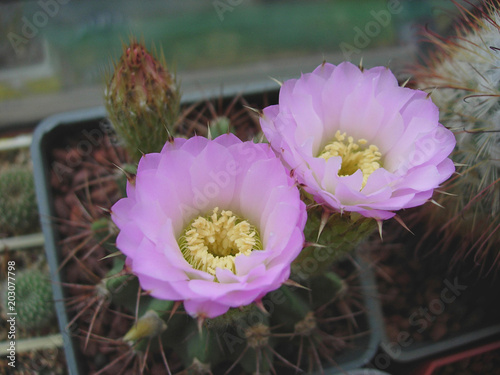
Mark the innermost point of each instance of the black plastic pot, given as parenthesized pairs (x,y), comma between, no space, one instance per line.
(45,137)
(457,291)
(462,359)
(49,135)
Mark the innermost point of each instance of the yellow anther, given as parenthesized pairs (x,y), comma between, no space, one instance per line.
(214,241)
(355,155)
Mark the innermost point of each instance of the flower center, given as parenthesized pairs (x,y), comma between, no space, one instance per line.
(355,155)
(214,241)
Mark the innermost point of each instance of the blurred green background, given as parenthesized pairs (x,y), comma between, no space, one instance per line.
(52,46)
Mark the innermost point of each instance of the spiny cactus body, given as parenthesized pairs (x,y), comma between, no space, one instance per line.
(34,301)
(289,334)
(142,100)
(18,207)
(463,76)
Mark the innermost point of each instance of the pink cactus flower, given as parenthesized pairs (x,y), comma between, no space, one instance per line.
(359,142)
(215,224)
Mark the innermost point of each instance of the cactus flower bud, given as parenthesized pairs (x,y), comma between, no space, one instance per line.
(149,325)
(142,100)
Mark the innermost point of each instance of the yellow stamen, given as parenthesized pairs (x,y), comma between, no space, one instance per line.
(215,241)
(355,155)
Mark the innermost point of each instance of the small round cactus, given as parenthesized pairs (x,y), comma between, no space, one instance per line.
(463,77)
(34,301)
(18,207)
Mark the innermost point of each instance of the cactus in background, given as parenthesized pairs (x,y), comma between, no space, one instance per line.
(18,207)
(463,75)
(142,100)
(34,301)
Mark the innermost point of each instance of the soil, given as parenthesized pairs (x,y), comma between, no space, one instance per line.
(484,364)
(40,362)
(424,299)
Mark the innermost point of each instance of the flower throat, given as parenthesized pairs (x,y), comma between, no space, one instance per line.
(214,241)
(355,155)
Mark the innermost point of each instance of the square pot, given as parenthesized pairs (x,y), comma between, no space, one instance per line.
(91,125)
